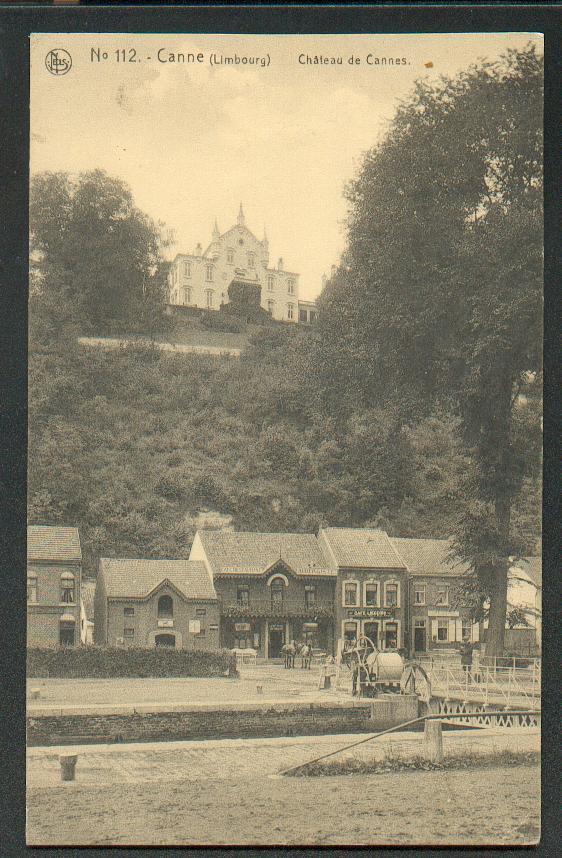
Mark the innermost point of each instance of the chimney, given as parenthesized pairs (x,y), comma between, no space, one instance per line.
(280,264)
(333,272)
(324,280)
(198,250)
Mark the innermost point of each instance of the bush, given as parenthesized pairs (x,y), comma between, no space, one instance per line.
(226,324)
(108,662)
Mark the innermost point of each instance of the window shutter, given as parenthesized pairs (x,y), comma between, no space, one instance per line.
(459,630)
(475,632)
(452,630)
(433,629)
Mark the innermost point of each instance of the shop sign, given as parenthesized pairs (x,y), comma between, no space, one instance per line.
(213,628)
(310,625)
(242,627)
(367,613)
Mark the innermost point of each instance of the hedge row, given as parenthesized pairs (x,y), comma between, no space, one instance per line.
(96,661)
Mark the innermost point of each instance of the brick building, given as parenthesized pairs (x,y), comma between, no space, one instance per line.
(273,588)
(371,585)
(149,603)
(342,584)
(54,574)
(437,617)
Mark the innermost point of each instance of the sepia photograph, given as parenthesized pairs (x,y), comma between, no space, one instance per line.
(285,398)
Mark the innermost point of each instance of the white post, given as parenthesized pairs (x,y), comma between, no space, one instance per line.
(433,735)
(266,641)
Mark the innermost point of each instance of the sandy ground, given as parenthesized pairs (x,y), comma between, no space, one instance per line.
(276,683)
(480,807)
(231,792)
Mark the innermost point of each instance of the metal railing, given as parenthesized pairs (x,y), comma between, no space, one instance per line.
(486,684)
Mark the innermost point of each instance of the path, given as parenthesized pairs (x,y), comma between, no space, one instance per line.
(178,348)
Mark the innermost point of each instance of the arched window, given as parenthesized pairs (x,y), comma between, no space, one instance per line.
(67,587)
(165,608)
(277,590)
(290,311)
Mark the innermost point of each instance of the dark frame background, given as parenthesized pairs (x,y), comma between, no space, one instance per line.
(16,23)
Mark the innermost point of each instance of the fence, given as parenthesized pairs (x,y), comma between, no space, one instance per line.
(500,684)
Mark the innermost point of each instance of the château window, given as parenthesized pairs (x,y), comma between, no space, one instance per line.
(419,594)
(270,282)
(350,594)
(187,295)
(309,596)
(187,268)
(270,306)
(32,588)
(442,596)
(209,274)
(230,255)
(243,597)
(67,587)
(165,608)
(209,298)
(291,287)
(251,260)
(290,309)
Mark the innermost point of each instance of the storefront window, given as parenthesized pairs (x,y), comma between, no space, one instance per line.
(350,632)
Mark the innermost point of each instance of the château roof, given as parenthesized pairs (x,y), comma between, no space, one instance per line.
(254,553)
(360,548)
(126,578)
(45,542)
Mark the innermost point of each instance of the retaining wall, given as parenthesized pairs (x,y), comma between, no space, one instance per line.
(145,723)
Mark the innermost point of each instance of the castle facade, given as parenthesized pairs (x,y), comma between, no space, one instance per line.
(202,279)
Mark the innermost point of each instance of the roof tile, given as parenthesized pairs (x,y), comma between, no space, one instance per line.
(53,543)
(126,578)
(254,553)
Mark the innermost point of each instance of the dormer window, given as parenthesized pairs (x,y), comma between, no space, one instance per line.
(230,255)
(209,273)
(187,268)
(270,282)
(67,587)
(251,260)
(291,287)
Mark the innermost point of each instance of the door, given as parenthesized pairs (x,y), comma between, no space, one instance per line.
(276,641)
(165,640)
(420,640)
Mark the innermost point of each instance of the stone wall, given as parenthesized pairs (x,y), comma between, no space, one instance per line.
(145,723)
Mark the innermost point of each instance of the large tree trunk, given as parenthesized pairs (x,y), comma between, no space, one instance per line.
(498,593)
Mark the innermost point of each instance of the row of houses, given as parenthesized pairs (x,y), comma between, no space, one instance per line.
(261,590)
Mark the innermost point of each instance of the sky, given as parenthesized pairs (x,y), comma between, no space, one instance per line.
(193,140)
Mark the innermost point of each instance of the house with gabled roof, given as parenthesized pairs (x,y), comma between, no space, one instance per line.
(148,603)
(54,573)
(273,588)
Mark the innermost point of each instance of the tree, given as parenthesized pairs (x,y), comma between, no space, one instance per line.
(96,258)
(439,295)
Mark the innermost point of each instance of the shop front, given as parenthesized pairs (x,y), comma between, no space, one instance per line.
(381,625)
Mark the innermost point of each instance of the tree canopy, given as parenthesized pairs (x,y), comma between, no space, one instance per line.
(96,258)
(438,301)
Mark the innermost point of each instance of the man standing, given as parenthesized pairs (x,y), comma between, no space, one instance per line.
(466,659)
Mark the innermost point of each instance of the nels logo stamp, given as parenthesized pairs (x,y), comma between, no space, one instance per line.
(58,61)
